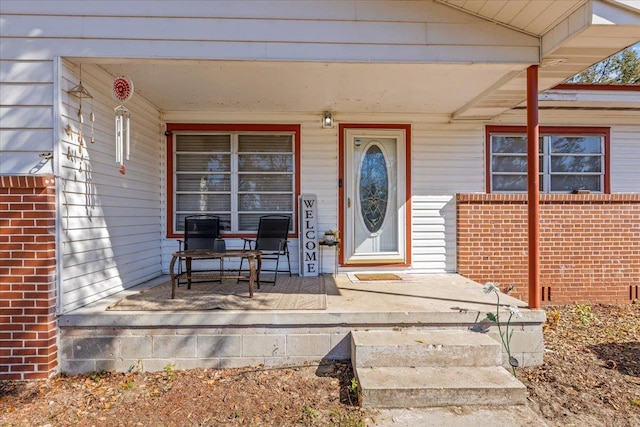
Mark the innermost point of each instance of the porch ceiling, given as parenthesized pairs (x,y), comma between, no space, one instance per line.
(308,87)
(574,34)
(534,17)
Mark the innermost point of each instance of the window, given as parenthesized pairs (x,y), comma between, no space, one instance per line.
(237,173)
(570,159)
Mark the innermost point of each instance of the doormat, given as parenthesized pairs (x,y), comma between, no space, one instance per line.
(290,293)
(377,276)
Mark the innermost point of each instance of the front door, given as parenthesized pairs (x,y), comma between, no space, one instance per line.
(374,196)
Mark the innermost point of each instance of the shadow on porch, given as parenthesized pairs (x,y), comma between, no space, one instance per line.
(94,338)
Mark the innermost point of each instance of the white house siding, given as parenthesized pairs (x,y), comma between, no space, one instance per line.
(625,138)
(625,159)
(398,31)
(319,165)
(26,119)
(111,224)
(446,159)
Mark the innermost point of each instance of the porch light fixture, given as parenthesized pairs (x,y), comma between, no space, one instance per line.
(327,120)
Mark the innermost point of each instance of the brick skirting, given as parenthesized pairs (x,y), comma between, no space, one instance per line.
(589,245)
(28,332)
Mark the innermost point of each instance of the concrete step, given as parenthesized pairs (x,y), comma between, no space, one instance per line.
(420,387)
(424,348)
(458,416)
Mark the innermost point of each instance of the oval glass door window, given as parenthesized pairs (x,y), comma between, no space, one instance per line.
(374,188)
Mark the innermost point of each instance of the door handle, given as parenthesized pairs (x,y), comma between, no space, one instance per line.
(348,202)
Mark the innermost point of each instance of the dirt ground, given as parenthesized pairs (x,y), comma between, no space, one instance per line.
(591,370)
(591,377)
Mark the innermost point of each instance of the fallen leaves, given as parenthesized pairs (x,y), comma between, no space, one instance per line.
(254,396)
(593,372)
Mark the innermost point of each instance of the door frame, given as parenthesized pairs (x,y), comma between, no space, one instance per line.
(342,128)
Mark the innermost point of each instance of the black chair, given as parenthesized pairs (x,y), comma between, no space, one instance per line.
(271,241)
(200,232)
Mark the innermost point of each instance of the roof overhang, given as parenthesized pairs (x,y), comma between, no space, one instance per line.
(563,37)
(591,97)
(592,32)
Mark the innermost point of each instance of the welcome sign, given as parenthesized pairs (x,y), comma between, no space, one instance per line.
(308,238)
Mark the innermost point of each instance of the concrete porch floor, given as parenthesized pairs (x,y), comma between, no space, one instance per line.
(93,338)
(434,294)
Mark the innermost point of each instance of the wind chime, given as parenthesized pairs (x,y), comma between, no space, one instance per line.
(122,91)
(80,92)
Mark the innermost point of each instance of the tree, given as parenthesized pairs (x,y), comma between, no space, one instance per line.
(621,68)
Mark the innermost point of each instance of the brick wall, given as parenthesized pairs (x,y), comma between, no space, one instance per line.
(28,326)
(589,245)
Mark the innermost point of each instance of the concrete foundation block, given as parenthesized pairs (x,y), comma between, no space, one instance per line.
(177,346)
(94,348)
(136,347)
(219,346)
(75,367)
(308,345)
(263,345)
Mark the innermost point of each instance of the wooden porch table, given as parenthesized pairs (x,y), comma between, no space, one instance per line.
(252,256)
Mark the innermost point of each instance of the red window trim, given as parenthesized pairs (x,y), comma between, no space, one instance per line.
(560,130)
(227,127)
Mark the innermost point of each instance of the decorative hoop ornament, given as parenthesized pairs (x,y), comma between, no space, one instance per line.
(122,89)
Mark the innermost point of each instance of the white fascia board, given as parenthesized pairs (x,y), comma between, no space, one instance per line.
(630,4)
(616,12)
(592,14)
(592,98)
(583,98)
(570,27)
